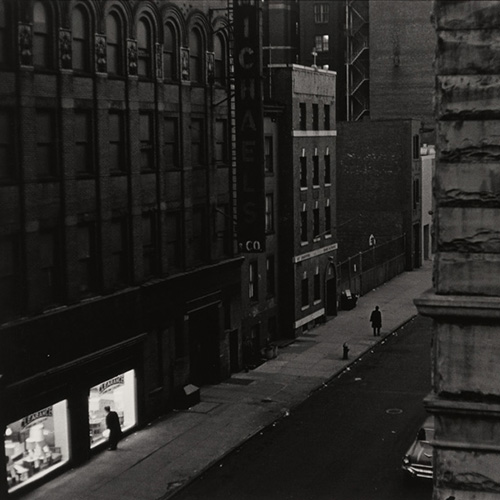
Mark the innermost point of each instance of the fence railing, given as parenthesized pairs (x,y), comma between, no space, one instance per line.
(373,267)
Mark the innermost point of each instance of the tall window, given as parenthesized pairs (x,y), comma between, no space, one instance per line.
(84,160)
(146,137)
(221,142)
(9,276)
(149,244)
(303,226)
(4,34)
(316,170)
(321,43)
(87,257)
(50,267)
(302,116)
(80,44)
(144,48)
(269,213)
(268,153)
(171,143)
(315,117)
(173,241)
(270,275)
(46,157)
(198,142)
(304,287)
(326,117)
(303,171)
(200,230)
(170,50)
(114,40)
(321,13)
(317,286)
(316,222)
(416,147)
(220,59)
(195,56)
(253,281)
(7,148)
(328,173)
(116,147)
(42,42)
(416,193)
(119,243)
(328,218)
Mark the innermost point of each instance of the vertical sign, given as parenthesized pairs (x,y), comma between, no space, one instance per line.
(249,125)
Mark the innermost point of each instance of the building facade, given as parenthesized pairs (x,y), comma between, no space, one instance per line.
(307,190)
(119,282)
(379,186)
(465,300)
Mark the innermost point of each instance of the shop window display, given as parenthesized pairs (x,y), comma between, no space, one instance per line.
(117,393)
(36,444)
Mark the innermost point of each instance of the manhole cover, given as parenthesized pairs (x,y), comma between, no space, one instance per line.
(394,411)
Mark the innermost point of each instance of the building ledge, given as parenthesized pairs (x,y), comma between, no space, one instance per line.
(470,306)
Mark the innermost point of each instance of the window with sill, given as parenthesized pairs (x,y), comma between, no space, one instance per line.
(303,172)
(115,37)
(317,287)
(328,173)
(220,59)
(171,142)
(196,56)
(46,142)
(116,142)
(321,13)
(43,37)
(304,287)
(145,46)
(315,116)
(83,136)
(303,227)
(80,45)
(315,170)
(146,138)
(7,145)
(322,43)
(316,223)
(170,51)
(302,116)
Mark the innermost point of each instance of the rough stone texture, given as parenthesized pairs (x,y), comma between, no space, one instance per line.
(461,273)
(466,356)
(466,349)
(468,96)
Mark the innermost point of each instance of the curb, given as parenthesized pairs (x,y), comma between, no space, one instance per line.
(321,386)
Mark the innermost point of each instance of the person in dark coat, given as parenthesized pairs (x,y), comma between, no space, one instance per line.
(113,424)
(376,321)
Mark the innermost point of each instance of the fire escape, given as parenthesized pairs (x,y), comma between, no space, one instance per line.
(357,60)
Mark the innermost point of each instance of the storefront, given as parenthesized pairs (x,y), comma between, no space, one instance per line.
(119,393)
(36,445)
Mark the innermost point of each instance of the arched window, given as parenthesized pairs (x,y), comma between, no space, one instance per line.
(195,56)
(144,48)
(220,59)
(114,40)
(4,34)
(42,43)
(80,45)
(170,51)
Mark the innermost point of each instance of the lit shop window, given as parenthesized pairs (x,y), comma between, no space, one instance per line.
(36,444)
(117,393)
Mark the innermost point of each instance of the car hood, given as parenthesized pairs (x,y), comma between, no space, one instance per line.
(420,453)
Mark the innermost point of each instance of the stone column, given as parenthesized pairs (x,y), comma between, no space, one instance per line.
(465,301)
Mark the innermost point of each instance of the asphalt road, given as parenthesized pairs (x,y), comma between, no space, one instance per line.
(345,442)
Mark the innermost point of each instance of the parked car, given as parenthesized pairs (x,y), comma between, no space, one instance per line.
(417,461)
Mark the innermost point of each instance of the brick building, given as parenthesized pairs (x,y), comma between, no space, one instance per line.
(119,282)
(306,180)
(378,186)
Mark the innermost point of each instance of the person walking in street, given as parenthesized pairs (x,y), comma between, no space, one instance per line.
(113,424)
(376,321)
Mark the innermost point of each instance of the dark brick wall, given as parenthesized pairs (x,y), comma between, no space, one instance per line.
(402,46)
(374,178)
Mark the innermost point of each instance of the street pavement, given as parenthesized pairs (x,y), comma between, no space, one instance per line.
(156,461)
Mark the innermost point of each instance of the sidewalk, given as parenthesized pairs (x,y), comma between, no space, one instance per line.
(156,461)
